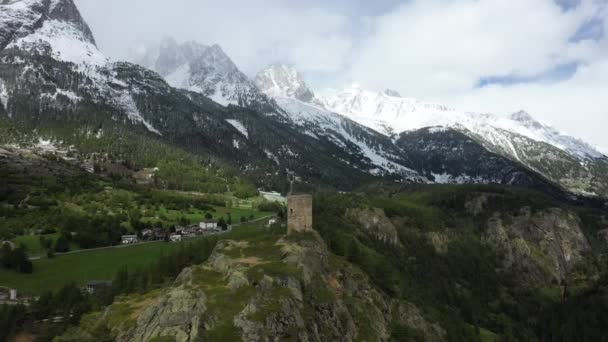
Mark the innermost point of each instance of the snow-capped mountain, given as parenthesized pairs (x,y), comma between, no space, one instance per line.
(438,155)
(203,69)
(389,112)
(291,93)
(565,160)
(54,78)
(36,34)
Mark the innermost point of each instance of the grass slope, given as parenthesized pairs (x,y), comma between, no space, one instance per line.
(52,274)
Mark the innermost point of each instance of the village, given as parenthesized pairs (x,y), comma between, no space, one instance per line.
(177,233)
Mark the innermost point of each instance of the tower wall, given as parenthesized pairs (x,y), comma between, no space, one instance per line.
(299,214)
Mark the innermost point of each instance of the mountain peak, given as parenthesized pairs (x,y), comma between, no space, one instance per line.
(66,10)
(200,68)
(281,80)
(526,119)
(53,27)
(522,116)
(392,93)
(19,18)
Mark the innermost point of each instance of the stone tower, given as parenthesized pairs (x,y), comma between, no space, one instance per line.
(299,214)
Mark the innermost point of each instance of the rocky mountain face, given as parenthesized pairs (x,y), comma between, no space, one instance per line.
(555,235)
(448,156)
(203,69)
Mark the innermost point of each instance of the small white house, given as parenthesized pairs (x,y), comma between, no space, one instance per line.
(208,225)
(129,239)
(175,238)
(13,294)
(271,222)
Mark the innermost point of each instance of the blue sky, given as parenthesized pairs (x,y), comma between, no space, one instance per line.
(549,57)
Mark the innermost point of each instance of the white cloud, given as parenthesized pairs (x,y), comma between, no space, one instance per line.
(578,106)
(254,32)
(439,50)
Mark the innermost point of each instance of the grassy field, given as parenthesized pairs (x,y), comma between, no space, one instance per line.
(33,246)
(52,274)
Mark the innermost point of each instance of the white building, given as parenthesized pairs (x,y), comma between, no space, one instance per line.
(129,239)
(175,238)
(208,225)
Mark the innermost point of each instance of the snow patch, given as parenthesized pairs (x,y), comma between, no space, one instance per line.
(239,127)
(128,105)
(434,130)
(46,145)
(445,178)
(3,95)
(272,156)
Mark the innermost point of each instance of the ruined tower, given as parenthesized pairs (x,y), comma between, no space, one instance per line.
(299,214)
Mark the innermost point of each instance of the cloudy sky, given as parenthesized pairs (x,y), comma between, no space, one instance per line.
(548,57)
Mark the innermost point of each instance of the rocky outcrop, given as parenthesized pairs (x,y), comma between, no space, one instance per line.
(541,246)
(288,288)
(375,223)
(177,313)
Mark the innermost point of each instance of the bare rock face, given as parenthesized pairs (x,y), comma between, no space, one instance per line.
(176,313)
(541,246)
(440,241)
(375,223)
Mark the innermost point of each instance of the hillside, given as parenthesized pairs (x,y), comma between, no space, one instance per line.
(434,263)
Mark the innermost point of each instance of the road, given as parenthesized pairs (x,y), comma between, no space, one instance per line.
(148,242)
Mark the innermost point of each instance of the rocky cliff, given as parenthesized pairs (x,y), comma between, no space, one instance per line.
(267,288)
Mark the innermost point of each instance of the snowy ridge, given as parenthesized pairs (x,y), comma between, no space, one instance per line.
(386,113)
